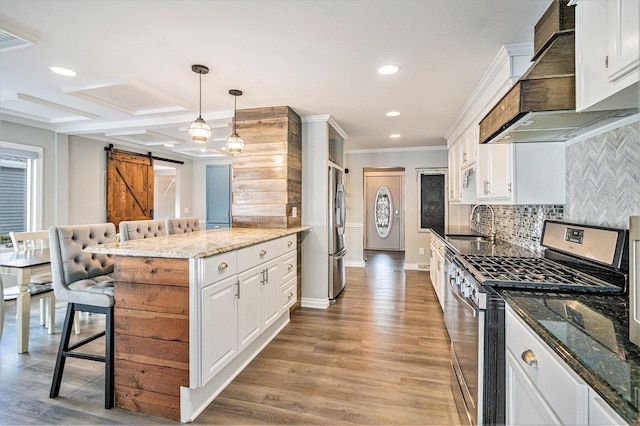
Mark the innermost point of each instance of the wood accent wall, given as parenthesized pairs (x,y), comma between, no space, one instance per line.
(267,174)
(151,316)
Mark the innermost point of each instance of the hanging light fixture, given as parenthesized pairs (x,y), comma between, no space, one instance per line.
(234,143)
(199,130)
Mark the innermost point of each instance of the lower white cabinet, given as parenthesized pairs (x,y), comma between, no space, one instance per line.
(436,268)
(219,344)
(237,308)
(541,388)
(249,321)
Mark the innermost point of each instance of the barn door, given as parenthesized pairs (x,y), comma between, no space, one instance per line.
(129,187)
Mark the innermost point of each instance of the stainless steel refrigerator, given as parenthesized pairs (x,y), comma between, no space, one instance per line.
(337,249)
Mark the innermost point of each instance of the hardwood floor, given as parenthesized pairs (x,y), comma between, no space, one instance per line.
(380,355)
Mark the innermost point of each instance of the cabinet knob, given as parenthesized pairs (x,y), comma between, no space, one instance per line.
(290,295)
(289,243)
(263,252)
(290,266)
(222,266)
(530,358)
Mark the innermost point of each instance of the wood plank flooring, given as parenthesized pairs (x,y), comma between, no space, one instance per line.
(380,355)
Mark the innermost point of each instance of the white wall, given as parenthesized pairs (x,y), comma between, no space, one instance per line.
(74,170)
(411,160)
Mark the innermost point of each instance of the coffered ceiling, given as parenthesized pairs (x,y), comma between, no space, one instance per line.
(133,60)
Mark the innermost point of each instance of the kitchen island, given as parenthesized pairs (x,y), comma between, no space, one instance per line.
(192,310)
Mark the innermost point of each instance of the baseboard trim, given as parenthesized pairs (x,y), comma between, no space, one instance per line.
(314,303)
(355,263)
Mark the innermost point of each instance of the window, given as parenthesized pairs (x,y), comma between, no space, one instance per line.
(20,189)
(432,206)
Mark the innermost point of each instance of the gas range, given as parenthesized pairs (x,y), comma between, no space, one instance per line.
(577,259)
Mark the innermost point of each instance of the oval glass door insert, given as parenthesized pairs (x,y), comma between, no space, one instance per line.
(382,211)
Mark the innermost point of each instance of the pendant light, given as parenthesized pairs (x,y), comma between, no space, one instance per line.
(234,142)
(199,130)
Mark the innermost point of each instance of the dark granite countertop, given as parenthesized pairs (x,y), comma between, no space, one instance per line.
(591,334)
(594,342)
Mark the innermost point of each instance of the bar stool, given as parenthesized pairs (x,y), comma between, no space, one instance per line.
(138,229)
(182,225)
(83,280)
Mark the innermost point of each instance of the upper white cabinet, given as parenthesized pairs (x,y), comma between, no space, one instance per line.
(455,193)
(607,54)
(469,146)
(521,173)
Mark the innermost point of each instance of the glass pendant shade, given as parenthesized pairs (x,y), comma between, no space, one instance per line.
(234,143)
(199,130)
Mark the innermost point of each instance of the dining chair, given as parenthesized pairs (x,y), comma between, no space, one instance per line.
(182,225)
(138,229)
(85,282)
(40,285)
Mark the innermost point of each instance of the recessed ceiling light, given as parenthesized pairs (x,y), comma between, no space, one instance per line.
(393,114)
(169,145)
(64,71)
(203,149)
(388,69)
(394,136)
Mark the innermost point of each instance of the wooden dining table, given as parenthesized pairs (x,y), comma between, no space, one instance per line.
(22,264)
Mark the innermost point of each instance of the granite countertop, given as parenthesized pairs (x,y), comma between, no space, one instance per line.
(591,334)
(194,245)
(464,246)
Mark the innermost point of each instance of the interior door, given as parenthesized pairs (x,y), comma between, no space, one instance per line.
(129,187)
(384,211)
(218,196)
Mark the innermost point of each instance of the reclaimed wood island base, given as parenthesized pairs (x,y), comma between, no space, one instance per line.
(192,310)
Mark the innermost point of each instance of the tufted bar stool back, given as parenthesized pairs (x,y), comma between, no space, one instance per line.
(183,225)
(84,281)
(138,229)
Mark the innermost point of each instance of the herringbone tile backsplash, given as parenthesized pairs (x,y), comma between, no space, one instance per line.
(603,188)
(603,178)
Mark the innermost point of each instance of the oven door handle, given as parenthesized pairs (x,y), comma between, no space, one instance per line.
(464,302)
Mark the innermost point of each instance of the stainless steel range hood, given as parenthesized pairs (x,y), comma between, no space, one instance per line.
(540,107)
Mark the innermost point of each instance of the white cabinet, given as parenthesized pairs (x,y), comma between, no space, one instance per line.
(538,382)
(600,413)
(249,294)
(436,268)
(455,193)
(219,344)
(541,388)
(242,294)
(494,172)
(521,173)
(607,54)
(468,146)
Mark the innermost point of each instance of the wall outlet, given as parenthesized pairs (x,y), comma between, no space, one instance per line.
(294,211)
(186,210)
(421,250)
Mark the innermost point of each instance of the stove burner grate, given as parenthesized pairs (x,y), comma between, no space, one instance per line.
(535,272)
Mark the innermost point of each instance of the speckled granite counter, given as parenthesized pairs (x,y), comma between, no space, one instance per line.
(463,246)
(194,245)
(595,345)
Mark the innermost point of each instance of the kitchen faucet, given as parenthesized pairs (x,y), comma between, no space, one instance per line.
(492,236)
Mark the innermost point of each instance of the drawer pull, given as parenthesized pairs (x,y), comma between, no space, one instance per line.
(222,266)
(263,252)
(530,358)
(290,266)
(290,295)
(289,243)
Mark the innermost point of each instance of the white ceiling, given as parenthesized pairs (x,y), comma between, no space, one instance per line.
(134,57)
